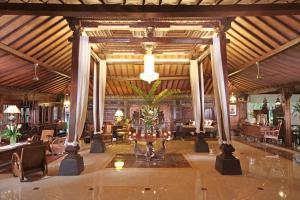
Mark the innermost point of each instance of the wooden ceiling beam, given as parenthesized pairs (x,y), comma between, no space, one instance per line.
(135,78)
(167,40)
(30,59)
(267,55)
(149,11)
(204,55)
(148,23)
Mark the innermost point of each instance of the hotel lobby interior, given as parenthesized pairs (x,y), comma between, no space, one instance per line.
(150,99)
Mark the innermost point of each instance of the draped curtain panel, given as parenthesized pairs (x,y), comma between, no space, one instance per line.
(219,91)
(95,94)
(194,79)
(99,95)
(102,86)
(82,86)
(201,97)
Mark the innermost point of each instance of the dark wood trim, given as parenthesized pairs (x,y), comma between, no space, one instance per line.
(286,96)
(149,11)
(135,78)
(150,39)
(74,79)
(148,23)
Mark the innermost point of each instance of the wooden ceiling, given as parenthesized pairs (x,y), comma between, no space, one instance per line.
(271,40)
(155,2)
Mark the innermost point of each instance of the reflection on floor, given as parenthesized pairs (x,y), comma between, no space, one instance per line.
(270,148)
(170,160)
(264,177)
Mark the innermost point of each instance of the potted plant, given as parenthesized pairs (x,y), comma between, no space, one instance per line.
(12,132)
(150,109)
(296,111)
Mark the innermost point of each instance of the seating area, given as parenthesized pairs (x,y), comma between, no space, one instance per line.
(141,100)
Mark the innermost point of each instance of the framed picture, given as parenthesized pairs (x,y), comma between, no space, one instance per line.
(232,109)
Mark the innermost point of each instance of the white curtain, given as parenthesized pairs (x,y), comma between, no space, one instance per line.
(99,94)
(194,79)
(95,94)
(82,87)
(219,91)
(102,86)
(201,77)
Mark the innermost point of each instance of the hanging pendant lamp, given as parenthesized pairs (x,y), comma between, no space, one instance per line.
(149,74)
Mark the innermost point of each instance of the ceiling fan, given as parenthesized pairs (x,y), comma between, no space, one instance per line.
(259,74)
(35,78)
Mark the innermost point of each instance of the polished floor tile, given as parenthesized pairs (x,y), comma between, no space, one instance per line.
(265,176)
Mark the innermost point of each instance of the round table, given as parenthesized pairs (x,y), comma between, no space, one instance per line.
(149,139)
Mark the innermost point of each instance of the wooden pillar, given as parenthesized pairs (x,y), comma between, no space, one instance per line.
(74,79)
(73,164)
(286,103)
(226,163)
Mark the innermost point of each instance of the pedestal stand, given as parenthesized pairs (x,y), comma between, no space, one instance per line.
(226,163)
(97,145)
(72,164)
(201,145)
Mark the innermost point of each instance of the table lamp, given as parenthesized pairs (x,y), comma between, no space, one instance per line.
(12,109)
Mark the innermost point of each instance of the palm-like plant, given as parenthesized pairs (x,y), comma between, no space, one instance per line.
(150,111)
(296,109)
(150,98)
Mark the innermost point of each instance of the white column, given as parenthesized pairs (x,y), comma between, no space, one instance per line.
(194,79)
(220,90)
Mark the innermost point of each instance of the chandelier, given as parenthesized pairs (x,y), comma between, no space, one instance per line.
(149,74)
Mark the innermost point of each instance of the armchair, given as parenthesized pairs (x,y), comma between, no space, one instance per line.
(31,160)
(273,134)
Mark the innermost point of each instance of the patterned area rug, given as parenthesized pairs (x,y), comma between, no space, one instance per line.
(172,160)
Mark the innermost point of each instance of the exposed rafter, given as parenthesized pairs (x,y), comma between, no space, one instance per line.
(267,55)
(30,59)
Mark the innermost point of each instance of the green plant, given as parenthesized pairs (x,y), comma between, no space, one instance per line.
(12,132)
(150,111)
(149,96)
(296,109)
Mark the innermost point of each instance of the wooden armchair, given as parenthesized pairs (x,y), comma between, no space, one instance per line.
(107,134)
(31,160)
(273,134)
(54,144)
(47,135)
(57,146)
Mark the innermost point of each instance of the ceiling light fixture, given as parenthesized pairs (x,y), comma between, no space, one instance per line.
(149,74)
(35,78)
(232,98)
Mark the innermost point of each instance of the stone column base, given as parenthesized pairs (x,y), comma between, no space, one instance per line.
(201,145)
(226,163)
(72,164)
(97,145)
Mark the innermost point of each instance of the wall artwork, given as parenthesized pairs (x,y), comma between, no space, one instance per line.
(232,109)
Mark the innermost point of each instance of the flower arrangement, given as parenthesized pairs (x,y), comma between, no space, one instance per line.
(12,132)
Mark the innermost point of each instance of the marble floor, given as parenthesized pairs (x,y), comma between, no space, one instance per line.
(265,176)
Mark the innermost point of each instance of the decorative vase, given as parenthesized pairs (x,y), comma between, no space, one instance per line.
(12,140)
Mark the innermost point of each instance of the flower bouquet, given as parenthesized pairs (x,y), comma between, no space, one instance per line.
(12,132)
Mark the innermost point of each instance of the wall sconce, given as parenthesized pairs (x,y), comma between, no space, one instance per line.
(67,101)
(232,98)
(277,103)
